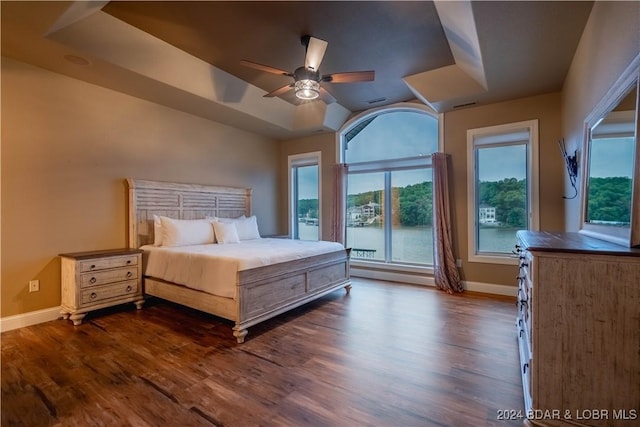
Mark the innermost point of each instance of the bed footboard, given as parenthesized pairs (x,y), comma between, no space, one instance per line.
(269,291)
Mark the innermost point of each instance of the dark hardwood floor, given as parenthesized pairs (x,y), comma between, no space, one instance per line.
(386,355)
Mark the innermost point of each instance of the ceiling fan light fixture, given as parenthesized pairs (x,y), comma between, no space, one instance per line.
(307,89)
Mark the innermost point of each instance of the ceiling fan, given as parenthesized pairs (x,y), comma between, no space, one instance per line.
(307,79)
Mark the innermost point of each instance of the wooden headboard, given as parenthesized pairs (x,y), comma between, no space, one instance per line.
(179,201)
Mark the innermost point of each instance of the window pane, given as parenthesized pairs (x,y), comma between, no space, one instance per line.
(392,135)
(307,202)
(365,224)
(412,216)
(610,170)
(501,197)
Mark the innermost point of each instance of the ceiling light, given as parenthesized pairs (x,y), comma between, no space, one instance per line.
(307,89)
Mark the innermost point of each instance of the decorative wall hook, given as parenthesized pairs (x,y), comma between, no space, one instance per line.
(572,167)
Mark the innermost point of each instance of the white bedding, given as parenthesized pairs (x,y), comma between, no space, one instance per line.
(213,268)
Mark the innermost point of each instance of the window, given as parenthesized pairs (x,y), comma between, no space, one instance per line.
(389,186)
(502,188)
(305,188)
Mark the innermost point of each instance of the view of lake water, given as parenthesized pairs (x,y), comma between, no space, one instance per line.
(412,244)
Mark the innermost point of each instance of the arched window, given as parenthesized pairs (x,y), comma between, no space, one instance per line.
(389,185)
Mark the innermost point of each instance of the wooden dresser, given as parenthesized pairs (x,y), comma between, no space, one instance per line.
(99,279)
(578,330)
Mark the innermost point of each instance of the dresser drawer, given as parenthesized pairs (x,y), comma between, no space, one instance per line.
(108,276)
(106,263)
(116,290)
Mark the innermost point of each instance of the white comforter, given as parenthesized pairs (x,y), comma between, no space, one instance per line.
(213,268)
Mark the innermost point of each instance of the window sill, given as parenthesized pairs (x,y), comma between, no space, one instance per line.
(402,273)
(494,259)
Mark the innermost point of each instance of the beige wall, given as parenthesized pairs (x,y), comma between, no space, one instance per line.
(326,144)
(610,41)
(545,108)
(67,147)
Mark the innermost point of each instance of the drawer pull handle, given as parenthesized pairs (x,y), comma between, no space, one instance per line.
(128,261)
(94,295)
(129,288)
(93,280)
(92,266)
(129,274)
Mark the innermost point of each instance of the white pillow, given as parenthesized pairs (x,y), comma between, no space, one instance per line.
(247,228)
(226,232)
(229,219)
(157,231)
(226,220)
(183,232)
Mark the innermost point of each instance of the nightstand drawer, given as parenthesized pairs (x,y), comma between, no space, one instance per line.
(108,276)
(105,263)
(117,290)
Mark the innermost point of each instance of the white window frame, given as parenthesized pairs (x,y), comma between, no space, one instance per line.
(398,164)
(298,160)
(533,214)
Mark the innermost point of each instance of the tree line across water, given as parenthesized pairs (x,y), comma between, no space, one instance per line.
(609,200)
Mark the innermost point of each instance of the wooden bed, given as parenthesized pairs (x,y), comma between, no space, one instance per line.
(261,293)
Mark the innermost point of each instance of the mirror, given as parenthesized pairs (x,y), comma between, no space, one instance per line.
(611,178)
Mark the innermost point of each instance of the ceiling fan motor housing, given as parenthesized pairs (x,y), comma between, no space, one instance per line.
(303,73)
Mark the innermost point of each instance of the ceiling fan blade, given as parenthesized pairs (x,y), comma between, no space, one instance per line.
(326,96)
(350,77)
(315,53)
(279,91)
(265,68)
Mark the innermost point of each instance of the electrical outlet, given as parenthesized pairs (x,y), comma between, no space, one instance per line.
(34,285)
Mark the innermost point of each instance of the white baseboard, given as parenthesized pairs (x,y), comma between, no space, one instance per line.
(490,288)
(29,319)
(486,288)
(392,276)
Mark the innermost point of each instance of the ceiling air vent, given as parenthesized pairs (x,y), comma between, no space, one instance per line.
(468,104)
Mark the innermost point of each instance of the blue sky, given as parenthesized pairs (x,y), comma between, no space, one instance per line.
(611,157)
(498,163)
(308,182)
(408,134)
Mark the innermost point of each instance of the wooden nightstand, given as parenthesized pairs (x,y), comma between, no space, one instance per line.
(99,279)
